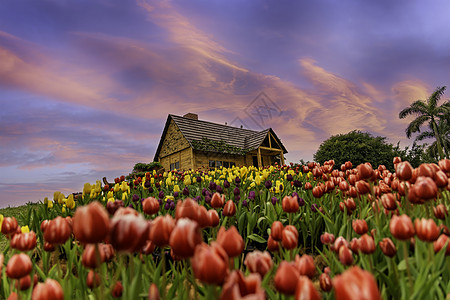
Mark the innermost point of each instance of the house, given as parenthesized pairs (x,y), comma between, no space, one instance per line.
(190,143)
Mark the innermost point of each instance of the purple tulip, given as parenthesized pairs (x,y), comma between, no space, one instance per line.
(314,207)
(172,205)
(289,177)
(150,189)
(244,203)
(251,195)
(237,198)
(147,184)
(198,198)
(297,183)
(175,194)
(237,180)
(207,199)
(161,194)
(236,191)
(212,185)
(167,206)
(199,179)
(204,191)
(135,198)
(274,200)
(226,184)
(301,202)
(219,189)
(157,184)
(268,184)
(186,191)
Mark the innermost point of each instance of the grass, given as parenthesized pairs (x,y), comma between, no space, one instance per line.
(19,212)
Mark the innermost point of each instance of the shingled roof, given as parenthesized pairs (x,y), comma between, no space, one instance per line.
(197,130)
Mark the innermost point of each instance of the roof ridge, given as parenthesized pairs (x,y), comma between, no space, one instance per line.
(228,126)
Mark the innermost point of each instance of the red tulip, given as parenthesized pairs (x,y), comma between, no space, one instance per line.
(117,290)
(397,160)
(202,217)
(339,242)
(210,263)
(286,278)
(404,171)
(161,229)
(58,231)
(187,209)
(50,289)
(92,258)
(365,171)
(230,209)
(93,279)
(128,233)
(355,283)
(362,187)
(289,238)
(153,292)
(290,204)
(231,241)
(306,290)
(425,188)
(239,287)
(9,226)
(366,244)
(401,227)
(441,242)
(344,186)
(426,230)
(387,247)
(444,164)
(150,206)
(213,218)
(277,230)
(185,237)
(217,200)
(24,241)
(441,179)
(91,223)
(440,211)
(317,191)
(360,226)
(308,185)
(327,238)
(259,262)
(389,201)
(354,245)
(305,265)
(345,256)
(325,282)
(350,204)
(272,245)
(19,265)
(24,283)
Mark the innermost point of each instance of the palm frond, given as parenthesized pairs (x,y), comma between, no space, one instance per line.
(436,96)
(415,125)
(425,135)
(417,107)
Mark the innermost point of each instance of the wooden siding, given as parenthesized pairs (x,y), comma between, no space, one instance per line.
(174,148)
(202,159)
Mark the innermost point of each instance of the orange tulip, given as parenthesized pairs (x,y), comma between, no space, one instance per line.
(286,278)
(153,292)
(239,287)
(366,244)
(355,283)
(128,233)
(50,289)
(150,206)
(305,265)
(230,209)
(24,241)
(213,218)
(187,209)
(426,230)
(387,247)
(210,263)
(345,256)
(290,204)
(272,245)
(89,257)
(441,242)
(160,230)
(259,262)
(401,227)
(360,226)
(306,290)
(202,217)
(440,211)
(277,230)
(404,171)
(325,282)
(289,238)
(217,200)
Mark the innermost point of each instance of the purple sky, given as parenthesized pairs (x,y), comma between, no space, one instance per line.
(86,86)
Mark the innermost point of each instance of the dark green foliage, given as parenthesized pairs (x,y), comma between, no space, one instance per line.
(357,147)
(221,146)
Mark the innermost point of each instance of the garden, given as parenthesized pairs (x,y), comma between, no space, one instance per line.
(279,232)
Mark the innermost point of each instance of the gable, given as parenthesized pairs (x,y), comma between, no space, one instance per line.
(172,141)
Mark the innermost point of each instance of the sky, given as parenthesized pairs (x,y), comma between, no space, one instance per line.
(86,86)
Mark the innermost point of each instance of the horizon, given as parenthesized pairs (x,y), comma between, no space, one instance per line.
(86,86)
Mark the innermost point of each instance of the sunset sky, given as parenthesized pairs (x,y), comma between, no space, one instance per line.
(86,86)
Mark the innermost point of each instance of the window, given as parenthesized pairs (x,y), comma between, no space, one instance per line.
(218,163)
(226,164)
(175,165)
(212,163)
(232,164)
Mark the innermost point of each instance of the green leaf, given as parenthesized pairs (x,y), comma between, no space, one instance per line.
(257,238)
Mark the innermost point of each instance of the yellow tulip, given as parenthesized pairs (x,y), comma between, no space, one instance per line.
(63,209)
(124,196)
(70,202)
(45,200)
(110,195)
(56,196)
(61,198)
(25,229)
(116,187)
(1,220)
(187,180)
(169,197)
(50,204)
(176,188)
(111,200)
(87,188)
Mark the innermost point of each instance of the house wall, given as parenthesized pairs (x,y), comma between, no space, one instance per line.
(175,148)
(202,159)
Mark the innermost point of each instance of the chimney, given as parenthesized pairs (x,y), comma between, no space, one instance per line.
(191,116)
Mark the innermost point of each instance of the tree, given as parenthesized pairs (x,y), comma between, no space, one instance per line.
(428,111)
(443,126)
(358,147)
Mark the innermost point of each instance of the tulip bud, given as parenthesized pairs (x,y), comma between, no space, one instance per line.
(92,257)
(401,227)
(440,211)
(128,233)
(444,164)
(93,279)
(425,188)
(150,206)
(389,201)
(202,217)
(91,223)
(290,204)
(161,229)
(217,200)
(289,238)
(426,230)
(345,256)
(259,262)
(305,265)
(272,245)
(230,209)
(286,278)
(387,247)
(363,285)
(339,242)
(277,230)
(24,241)
(153,292)
(441,242)
(354,245)
(366,244)
(365,171)
(50,289)
(317,191)
(325,282)
(58,231)
(239,287)
(185,237)
(360,226)
(187,209)
(404,171)
(9,226)
(213,218)
(306,290)
(19,265)
(210,263)
(118,290)
(231,241)
(327,238)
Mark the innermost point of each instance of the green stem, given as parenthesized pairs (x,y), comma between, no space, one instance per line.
(408,270)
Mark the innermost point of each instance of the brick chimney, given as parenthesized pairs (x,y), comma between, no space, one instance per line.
(191,116)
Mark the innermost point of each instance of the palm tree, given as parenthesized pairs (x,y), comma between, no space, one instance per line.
(443,126)
(428,111)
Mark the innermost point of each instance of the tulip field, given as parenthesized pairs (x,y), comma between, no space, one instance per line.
(279,232)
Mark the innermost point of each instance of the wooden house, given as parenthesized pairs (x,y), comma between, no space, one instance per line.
(190,143)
